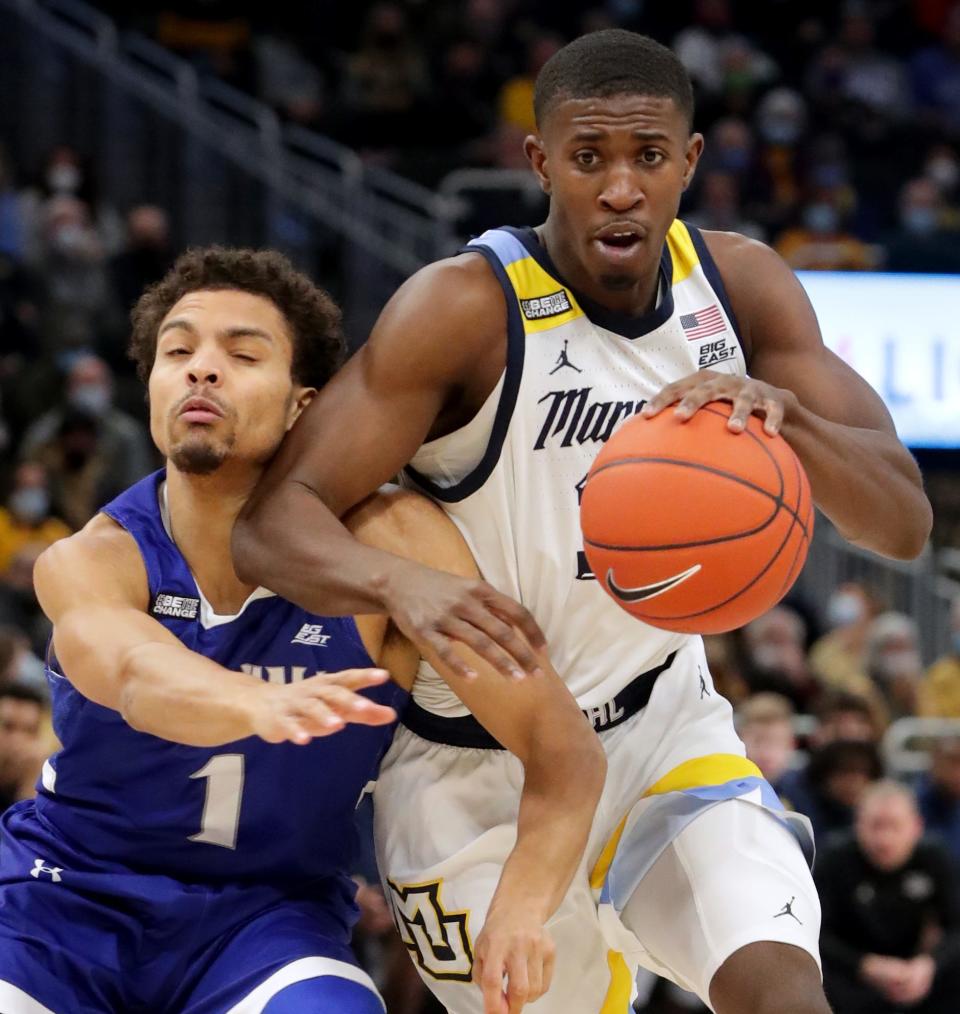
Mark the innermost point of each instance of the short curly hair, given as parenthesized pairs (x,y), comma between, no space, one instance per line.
(313,317)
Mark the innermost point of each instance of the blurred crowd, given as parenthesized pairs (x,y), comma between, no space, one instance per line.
(833,131)
(832,127)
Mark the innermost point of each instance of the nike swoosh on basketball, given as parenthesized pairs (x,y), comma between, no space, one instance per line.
(648,591)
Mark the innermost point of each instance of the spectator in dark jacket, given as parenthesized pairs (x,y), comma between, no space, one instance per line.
(938,794)
(891,913)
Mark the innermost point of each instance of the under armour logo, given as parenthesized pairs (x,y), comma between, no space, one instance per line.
(788,910)
(39,867)
(564,360)
(704,692)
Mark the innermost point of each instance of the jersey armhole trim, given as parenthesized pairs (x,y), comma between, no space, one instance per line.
(712,272)
(471,482)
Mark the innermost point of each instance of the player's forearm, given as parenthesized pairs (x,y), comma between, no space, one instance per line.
(290,542)
(865,481)
(171,692)
(560,794)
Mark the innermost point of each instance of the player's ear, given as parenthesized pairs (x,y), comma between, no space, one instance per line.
(302,396)
(692,156)
(537,157)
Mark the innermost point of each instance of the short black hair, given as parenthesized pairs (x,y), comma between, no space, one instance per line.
(612,62)
(313,317)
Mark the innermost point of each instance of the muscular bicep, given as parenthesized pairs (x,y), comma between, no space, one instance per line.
(93,588)
(521,715)
(783,336)
(371,418)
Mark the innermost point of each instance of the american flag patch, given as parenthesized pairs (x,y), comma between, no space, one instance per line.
(703,323)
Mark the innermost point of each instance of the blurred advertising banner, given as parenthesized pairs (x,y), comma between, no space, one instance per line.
(902,334)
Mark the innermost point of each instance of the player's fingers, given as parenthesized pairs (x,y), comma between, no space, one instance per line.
(519,617)
(549,960)
(435,643)
(488,649)
(535,974)
(491,984)
(317,718)
(295,730)
(773,409)
(356,679)
(508,645)
(743,405)
(666,396)
(353,707)
(716,389)
(518,980)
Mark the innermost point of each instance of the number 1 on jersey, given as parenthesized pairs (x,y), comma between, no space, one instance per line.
(221,808)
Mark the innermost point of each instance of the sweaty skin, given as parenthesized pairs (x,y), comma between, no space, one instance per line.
(609,165)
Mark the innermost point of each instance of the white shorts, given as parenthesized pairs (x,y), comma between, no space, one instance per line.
(682,844)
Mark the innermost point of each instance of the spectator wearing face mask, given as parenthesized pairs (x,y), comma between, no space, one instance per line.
(939,692)
(922,243)
(25,742)
(765,724)
(828,789)
(76,299)
(891,914)
(894,662)
(841,715)
(18,663)
(124,453)
(838,658)
(27,515)
(938,794)
(776,659)
(822,242)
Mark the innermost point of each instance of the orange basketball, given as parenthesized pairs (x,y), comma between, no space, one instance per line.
(693,528)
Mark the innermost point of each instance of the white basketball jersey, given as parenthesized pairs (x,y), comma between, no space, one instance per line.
(512,478)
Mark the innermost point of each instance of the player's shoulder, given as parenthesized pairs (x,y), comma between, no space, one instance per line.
(759,283)
(462,290)
(410,525)
(102,556)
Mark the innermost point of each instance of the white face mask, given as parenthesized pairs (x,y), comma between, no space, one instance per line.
(945,172)
(30,505)
(93,398)
(63,178)
(844,609)
(899,663)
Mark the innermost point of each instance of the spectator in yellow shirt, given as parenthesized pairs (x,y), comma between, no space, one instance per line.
(26,517)
(939,694)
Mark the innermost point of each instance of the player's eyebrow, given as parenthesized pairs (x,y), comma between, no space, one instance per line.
(238,331)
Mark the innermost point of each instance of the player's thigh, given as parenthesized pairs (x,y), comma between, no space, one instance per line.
(292,952)
(440,918)
(732,877)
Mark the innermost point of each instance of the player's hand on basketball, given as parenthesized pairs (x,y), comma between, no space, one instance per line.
(749,397)
(514,944)
(436,610)
(318,706)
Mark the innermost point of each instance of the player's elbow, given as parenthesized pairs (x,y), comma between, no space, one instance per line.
(907,539)
(570,755)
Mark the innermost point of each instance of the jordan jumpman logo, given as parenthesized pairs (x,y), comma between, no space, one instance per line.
(563,360)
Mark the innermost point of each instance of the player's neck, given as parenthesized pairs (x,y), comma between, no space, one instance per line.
(635,301)
(202,511)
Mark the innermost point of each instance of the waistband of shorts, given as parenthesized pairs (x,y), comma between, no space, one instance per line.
(466,731)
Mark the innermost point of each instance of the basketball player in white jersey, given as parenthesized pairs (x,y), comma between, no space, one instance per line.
(495,376)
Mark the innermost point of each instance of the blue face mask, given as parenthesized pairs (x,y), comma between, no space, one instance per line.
(820,218)
(920,221)
(955,641)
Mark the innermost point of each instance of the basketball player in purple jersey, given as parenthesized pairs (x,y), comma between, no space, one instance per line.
(496,375)
(190,845)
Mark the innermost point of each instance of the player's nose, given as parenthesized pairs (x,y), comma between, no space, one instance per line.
(205,372)
(621,190)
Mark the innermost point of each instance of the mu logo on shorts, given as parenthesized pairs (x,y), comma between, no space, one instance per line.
(437,938)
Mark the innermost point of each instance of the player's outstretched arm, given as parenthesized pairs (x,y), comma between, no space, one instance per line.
(93,588)
(564,768)
(358,433)
(861,476)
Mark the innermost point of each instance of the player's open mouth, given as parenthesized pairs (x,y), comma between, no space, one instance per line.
(619,241)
